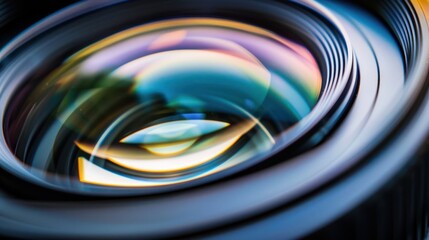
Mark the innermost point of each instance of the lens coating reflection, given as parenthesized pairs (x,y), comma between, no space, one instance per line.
(167,102)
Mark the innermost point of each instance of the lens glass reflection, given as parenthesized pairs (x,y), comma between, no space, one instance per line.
(165,103)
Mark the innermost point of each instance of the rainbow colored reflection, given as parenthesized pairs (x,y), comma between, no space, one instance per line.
(169,102)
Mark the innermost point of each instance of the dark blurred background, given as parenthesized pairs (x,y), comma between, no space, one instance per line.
(17,15)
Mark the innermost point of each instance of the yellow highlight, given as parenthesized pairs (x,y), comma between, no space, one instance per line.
(92,174)
(178,23)
(172,149)
(168,39)
(139,159)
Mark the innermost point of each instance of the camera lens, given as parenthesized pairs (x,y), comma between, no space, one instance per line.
(216,119)
(172,101)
